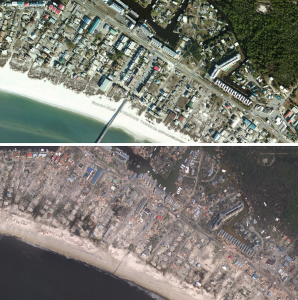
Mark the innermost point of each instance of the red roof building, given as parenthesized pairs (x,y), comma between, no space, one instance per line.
(287,113)
(54,9)
(172,116)
(157,68)
(50,6)
(181,118)
(26,4)
(58,12)
(29,155)
(230,257)
(46,17)
(159,218)
(61,7)
(289,121)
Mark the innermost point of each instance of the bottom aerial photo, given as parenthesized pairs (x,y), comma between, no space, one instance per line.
(146,222)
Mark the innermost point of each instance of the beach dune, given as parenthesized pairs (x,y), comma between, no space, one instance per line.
(99,108)
(120,262)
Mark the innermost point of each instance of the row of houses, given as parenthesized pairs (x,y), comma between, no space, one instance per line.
(233,92)
(165,48)
(22,4)
(119,9)
(236,242)
(56,10)
(23,154)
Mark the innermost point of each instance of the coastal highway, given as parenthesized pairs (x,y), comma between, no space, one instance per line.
(185,69)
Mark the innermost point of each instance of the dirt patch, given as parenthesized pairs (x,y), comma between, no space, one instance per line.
(294,97)
(4,60)
(182,101)
(38,73)
(153,88)
(171,82)
(20,65)
(77,85)
(56,77)
(210,257)
(105,9)
(92,88)
(264,8)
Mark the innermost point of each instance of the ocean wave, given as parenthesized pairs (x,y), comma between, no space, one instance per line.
(151,294)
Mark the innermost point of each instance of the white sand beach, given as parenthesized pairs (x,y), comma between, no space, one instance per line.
(99,108)
(119,262)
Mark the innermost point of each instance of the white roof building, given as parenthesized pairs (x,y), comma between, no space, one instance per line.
(169,51)
(105,84)
(119,9)
(225,66)
(156,43)
(127,51)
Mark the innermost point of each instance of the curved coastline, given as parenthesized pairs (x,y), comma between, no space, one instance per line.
(98,108)
(117,262)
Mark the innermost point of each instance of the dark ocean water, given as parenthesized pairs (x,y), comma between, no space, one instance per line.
(31,273)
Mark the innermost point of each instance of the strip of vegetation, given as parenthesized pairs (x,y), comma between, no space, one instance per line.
(268,32)
(274,183)
(195,49)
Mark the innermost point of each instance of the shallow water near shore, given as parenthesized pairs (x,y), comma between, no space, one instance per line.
(28,272)
(25,120)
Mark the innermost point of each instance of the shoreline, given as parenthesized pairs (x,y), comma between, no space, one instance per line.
(149,292)
(69,110)
(98,108)
(117,262)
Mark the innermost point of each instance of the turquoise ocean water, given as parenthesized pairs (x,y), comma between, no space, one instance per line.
(23,120)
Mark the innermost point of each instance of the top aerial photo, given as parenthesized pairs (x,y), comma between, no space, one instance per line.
(161,71)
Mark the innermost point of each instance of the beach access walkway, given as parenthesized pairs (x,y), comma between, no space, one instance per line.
(106,128)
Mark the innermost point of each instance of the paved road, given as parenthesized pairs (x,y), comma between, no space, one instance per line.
(276,104)
(185,69)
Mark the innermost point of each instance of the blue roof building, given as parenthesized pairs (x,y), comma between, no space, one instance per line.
(255,276)
(278,97)
(94,25)
(253,126)
(246,121)
(86,20)
(89,170)
(280,248)
(216,136)
(96,176)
